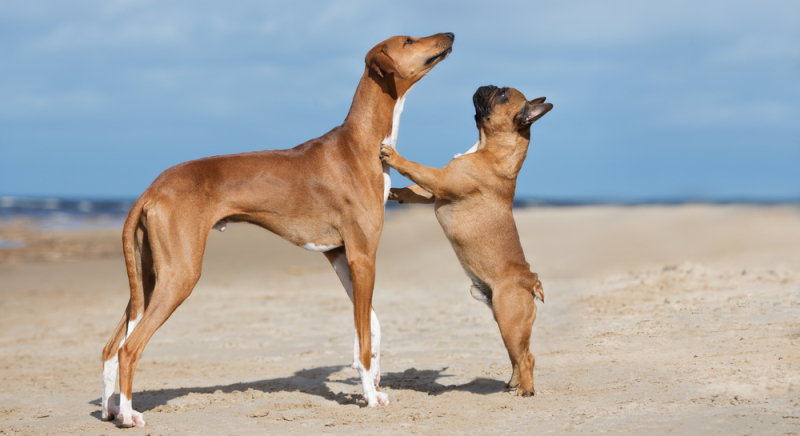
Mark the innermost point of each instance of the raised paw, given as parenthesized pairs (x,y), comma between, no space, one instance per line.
(388,153)
(393,196)
(135,419)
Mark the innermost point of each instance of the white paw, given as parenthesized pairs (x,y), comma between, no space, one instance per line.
(387,141)
(381,399)
(111,413)
(135,419)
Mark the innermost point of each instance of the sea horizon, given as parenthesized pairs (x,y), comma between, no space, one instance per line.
(77,207)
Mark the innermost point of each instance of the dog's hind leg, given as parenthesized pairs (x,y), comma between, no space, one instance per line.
(144,284)
(338,259)
(515,311)
(177,257)
(110,367)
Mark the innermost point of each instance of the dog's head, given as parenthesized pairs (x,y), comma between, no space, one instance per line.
(506,109)
(406,59)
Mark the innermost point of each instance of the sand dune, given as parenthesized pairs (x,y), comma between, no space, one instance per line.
(657,320)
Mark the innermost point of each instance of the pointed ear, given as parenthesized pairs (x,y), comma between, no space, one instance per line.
(533,112)
(536,101)
(383,64)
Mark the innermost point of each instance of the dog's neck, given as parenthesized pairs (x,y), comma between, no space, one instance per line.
(508,149)
(375,113)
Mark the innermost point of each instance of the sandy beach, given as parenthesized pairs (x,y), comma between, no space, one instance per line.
(658,319)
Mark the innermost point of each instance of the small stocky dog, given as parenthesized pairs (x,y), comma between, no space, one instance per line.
(325,195)
(473,196)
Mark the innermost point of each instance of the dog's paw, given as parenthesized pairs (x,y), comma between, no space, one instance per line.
(134,419)
(388,153)
(525,392)
(394,195)
(381,399)
(111,413)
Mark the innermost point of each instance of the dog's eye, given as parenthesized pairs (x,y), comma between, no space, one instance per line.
(502,95)
(408,41)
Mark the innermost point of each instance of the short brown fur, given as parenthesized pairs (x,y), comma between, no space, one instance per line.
(328,191)
(473,196)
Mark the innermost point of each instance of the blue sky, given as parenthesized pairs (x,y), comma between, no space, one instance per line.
(652,99)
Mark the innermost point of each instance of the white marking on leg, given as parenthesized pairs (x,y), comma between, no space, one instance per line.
(110,367)
(392,140)
(371,378)
(127,416)
(131,326)
(343,271)
(472,149)
(371,395)
(320,248)
(375,363)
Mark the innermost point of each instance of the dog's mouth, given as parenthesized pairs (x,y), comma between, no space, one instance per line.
(439,56)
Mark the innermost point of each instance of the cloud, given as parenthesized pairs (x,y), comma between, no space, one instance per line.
(203,70)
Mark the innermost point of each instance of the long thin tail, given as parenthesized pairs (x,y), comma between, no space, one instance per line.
(133,257)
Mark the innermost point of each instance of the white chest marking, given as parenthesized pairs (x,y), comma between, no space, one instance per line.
(471,150)
(392,140)
(320,248)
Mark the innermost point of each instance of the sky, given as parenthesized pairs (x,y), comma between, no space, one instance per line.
(653,100)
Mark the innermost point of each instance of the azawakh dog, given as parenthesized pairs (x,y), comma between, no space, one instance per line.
(473,196)
(325,195)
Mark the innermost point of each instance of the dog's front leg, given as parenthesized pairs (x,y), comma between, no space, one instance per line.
(411,195)
(370,378)
(429,179)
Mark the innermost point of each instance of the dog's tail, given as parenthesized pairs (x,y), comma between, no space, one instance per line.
(133,257)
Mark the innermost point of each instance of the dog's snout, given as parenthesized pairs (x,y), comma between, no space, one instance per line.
(450,36)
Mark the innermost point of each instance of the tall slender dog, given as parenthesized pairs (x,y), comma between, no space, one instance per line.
(473,196)
(325,195)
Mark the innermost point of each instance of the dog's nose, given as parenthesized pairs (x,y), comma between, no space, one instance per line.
(450,36)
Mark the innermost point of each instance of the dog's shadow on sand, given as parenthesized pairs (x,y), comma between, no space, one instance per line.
(313,382)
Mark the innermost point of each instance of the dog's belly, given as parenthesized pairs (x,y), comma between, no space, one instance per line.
(303,232)
(483,236)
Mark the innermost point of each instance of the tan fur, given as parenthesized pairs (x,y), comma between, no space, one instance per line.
(327,191)
(473,196)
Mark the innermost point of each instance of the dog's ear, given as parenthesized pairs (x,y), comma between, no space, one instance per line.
(533,111)
(383,64)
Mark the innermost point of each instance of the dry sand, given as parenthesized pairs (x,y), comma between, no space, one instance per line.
(681,320)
